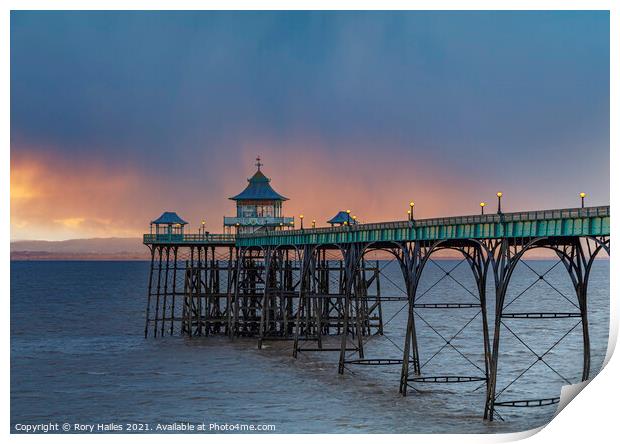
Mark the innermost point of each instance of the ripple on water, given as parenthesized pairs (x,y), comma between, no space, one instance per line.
(83,368)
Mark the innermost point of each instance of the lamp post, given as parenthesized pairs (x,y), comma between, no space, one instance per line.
(301,218)
(354,220)
(583,199)
(349,217)
(409,215)
(411,205)
(499,202)
(293,224)
(313,223)
(482,204)
(203,222)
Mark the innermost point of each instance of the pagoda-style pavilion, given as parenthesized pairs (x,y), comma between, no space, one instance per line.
(342,218)
(259,207)
(168,223)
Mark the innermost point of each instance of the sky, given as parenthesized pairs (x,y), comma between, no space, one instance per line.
(119,116)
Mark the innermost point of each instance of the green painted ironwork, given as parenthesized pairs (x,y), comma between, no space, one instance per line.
(258,221)
(592,221)
(189,239)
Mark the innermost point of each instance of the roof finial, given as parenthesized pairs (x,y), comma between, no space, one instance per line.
(258,164)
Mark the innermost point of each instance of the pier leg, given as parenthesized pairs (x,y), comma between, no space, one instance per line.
(199,291)
(187,306)
(352,256)
(148,300)
(159,267)
(499,254)
(165,299)
(411,348)
(377,274)
(409,266)
(237,293)
(303,305)
(174,289)
(479,264)
(359,314)
(266,300)
(578,259)
(230,289)
(317,301)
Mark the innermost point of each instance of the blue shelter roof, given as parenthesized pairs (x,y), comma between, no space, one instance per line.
(258,189)
(341,218)
(169,218)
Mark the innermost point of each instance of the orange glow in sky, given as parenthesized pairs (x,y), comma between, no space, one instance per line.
(52,199)
(56,198)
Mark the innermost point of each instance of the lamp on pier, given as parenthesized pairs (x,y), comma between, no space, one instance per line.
(301,218)
(202,223)
(349,217)
(313,223)
(482,204)
(499,202)
(409,215)
(354,219)
(583,199)
(411,205)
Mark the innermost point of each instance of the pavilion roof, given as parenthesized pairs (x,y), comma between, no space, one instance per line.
(169,218)
(341,218)
(259,189)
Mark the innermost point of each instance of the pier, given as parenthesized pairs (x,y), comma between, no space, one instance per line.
(267,279)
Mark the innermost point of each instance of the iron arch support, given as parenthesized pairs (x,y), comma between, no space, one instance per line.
(417,258)
(504,261)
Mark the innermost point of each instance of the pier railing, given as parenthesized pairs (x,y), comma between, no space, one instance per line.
(259,221)
(560,222)
(188,238)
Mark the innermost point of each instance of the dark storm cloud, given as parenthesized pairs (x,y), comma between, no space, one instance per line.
(177,95)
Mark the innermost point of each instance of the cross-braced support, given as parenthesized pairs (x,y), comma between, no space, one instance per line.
(416,259)
(410,264)
(352,256)
(161,291)
(577,255)
(304,304)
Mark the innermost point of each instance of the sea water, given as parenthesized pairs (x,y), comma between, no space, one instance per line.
(78,356)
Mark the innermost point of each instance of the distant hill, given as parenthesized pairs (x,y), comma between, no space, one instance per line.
(113,248)
(129,248)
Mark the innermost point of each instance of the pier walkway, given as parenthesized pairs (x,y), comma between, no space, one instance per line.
(591,221)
